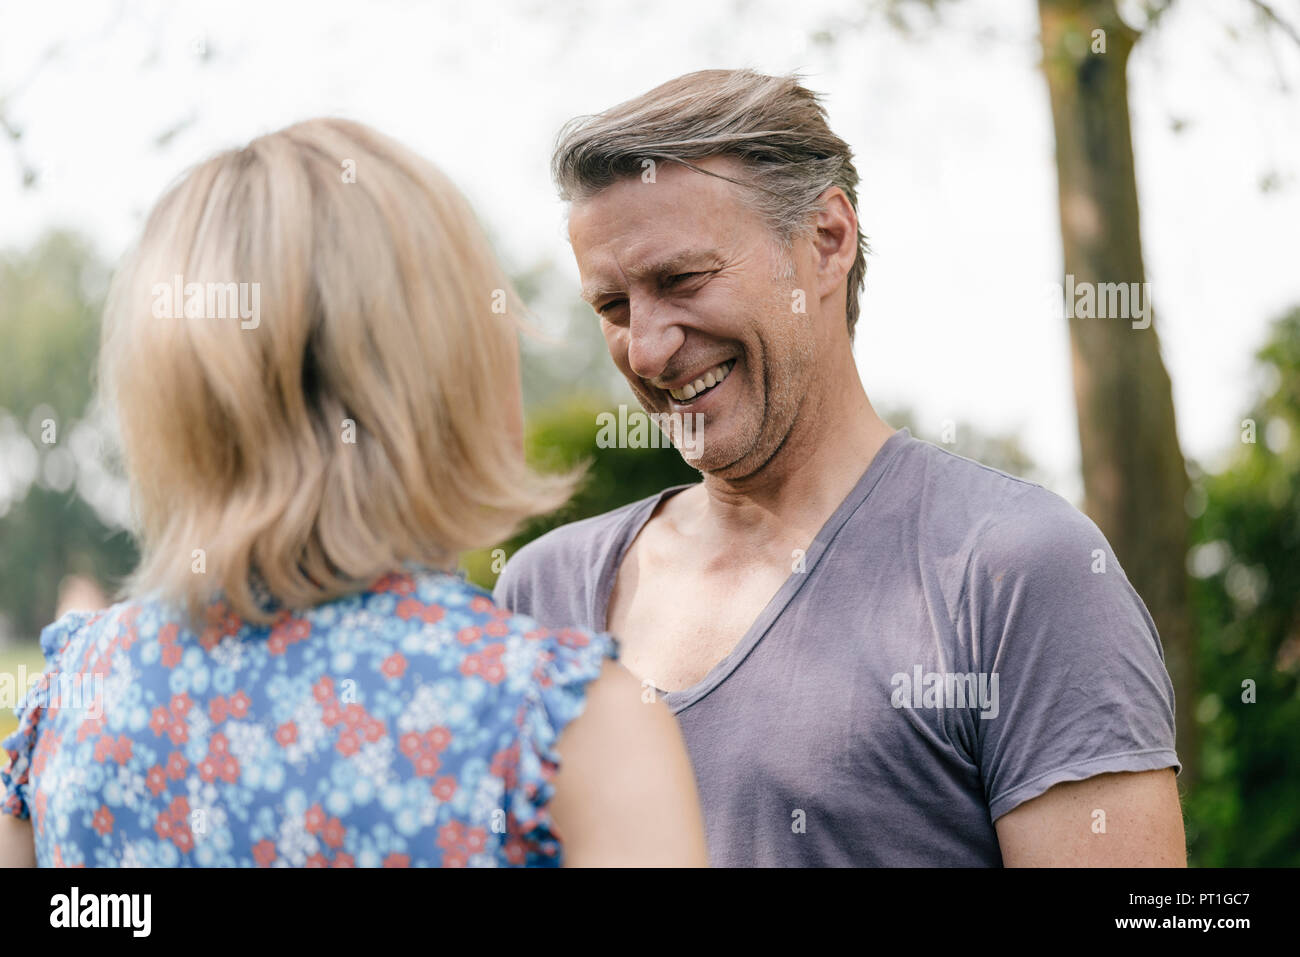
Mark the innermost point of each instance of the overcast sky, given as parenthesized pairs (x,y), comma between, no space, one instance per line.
(951,130)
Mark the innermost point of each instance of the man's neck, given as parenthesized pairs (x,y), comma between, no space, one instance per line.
(788,501)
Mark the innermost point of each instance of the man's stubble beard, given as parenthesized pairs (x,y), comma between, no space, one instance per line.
(780,398)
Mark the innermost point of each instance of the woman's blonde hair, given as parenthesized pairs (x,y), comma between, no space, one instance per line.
(312,356)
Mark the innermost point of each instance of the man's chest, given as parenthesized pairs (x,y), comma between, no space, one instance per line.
(675,625)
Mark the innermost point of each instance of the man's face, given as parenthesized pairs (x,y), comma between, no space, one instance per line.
(690,283)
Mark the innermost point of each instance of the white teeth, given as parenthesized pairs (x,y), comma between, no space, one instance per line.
(706,381)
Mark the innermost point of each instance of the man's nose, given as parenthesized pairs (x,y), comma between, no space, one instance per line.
(653,338)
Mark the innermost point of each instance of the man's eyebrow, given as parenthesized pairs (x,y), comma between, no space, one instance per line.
(674,263)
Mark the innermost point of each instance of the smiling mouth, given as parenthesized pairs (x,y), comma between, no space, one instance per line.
(710,380)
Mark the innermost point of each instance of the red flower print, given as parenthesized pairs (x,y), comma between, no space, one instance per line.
(373,729)
(467,636)
(103,822)
(343,860)
(408,608)
(348,743)
(496,629)
(286,734)
(183,838)
(156,780)
(427,764)
(220,623)
(334,832)
(331,713)
(323,690)
(171,656)
(456,858)
(96,725)
(314,819)
(158,721)
(264,853)
(432,614)
(451,834)
(437,738)
(409,744)
(318,860)
(219,763)
(177,732)
(394,665)
(504,764)
(354,715)
(475,840)
(103,749)
(162,825)
(444,788)
(180,705)
(286,632)
(177,766)
(400,583)
(516,852)
(230,770)
(122,749)
(167,633)
(486,664)
(239,703)
(572,638)
(397,860)
(480,604)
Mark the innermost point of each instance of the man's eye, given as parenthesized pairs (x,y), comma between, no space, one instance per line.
(682,277)
(610,306)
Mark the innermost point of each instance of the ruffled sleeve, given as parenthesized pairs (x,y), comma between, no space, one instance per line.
(15,776)
(571,660)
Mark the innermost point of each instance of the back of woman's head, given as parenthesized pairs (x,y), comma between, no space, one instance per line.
(312,358)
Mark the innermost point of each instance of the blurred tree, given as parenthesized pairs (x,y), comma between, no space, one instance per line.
(1246,591)
(1134,476)
(50,298)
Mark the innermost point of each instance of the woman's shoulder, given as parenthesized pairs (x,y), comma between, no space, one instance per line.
(82,626)
(483,626)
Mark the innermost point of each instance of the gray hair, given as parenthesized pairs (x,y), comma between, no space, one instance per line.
(775,126)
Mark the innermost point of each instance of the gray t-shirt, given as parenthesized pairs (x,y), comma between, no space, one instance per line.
(955,642)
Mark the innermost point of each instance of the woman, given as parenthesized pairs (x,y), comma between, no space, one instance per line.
(312,355)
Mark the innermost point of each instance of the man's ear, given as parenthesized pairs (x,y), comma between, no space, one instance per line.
(835,239)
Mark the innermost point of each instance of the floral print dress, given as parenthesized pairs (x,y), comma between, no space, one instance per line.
(413,724)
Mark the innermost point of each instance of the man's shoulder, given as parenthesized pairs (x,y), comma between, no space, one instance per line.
(997,516)
(578,538)
(570,555)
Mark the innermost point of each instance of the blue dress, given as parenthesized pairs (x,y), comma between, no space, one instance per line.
(412,724)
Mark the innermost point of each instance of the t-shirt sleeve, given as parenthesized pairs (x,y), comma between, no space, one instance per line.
(21,747)
(571,660)
(1082,687)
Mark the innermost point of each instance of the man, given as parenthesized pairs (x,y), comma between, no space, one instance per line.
(879,653)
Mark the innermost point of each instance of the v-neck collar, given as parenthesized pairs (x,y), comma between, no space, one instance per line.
(637,519)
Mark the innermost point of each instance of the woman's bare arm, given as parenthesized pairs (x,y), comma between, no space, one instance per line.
(625,793)
(17,845)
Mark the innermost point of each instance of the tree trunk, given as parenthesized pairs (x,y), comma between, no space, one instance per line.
(1134,476)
